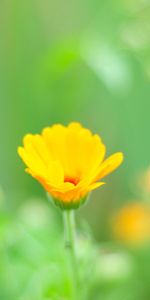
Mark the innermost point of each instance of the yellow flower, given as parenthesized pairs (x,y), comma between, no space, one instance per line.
(68,162)
(132,223)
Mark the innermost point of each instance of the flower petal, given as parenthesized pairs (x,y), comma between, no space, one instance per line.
(84,152)
(95,186)
(75,126)
(36,144)
(109,165)
(54,138)
(55,174)
(64,188)
(32,161)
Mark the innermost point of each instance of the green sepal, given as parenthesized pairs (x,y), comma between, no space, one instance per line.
(74,204)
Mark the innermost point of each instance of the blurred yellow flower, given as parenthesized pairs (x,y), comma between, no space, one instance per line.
(132,223)
(67,161)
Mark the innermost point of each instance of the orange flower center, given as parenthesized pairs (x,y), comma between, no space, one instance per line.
(73,180)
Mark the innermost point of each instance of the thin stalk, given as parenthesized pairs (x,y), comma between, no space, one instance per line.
(70,246)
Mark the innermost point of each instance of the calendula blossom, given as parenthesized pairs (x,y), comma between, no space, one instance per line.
(132,223)
(68,161)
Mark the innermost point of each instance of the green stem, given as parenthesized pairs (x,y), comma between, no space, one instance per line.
(70,246)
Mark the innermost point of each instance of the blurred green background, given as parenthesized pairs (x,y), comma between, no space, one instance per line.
(63,61)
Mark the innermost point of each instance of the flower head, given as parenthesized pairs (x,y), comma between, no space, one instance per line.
(68,162)
(132,223)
